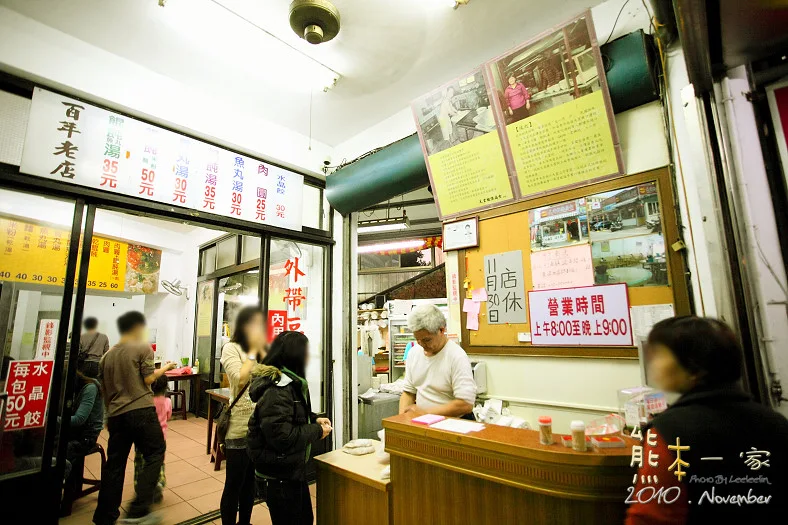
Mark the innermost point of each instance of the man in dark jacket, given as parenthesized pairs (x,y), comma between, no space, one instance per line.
(714,456)
(282,429)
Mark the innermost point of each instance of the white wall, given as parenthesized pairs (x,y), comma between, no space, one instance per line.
(38,52)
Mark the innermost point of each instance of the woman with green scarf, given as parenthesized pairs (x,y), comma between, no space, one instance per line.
(283,428)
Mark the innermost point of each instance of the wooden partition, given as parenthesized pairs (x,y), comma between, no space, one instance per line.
(507,228)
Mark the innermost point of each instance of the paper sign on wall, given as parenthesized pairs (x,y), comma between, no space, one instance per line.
(77,143)
(47,339)
(562,268)
(503,277)
(586,316)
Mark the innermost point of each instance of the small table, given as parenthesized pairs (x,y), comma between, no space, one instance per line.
(176,378)
(216,394)
(350,491)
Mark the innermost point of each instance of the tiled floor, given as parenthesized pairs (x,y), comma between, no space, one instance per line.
(193,487)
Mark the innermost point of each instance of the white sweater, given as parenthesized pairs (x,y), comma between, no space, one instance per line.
(233,358)
(439,379)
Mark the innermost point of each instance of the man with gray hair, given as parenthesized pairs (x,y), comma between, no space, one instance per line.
(438,377)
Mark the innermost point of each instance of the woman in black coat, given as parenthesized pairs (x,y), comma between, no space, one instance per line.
(733,451)
(283,428)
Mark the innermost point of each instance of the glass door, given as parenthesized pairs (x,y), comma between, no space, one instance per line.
(39,251)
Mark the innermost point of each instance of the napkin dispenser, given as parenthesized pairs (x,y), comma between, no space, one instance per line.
(479,369)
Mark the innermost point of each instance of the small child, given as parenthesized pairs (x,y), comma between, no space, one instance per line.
(164,411)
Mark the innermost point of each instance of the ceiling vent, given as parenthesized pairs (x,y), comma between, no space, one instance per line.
(316,21)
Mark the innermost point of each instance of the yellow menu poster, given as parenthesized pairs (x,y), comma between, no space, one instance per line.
(459,136)
(33,253)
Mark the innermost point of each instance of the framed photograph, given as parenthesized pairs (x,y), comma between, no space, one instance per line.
(458,235)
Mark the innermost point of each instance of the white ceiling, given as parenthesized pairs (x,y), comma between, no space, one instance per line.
(388,52)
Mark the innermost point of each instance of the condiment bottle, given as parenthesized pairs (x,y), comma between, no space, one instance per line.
(578,435)
(545,430)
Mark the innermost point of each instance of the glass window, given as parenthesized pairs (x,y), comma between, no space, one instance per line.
(235,292)
(250,248)
(311,211)
(421,258)
(33,261)
(369,261)
(295,302)
(226,254)
(208,260)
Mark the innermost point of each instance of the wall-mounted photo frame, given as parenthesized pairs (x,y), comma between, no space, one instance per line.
(458,235)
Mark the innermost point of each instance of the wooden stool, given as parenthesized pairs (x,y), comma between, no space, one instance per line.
(74,488)
(217,456)
(181,396)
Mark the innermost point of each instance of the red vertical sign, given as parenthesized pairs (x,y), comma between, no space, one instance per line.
(28,392)
(277,323)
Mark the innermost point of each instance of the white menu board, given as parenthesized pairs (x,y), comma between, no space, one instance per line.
(77,143)
(585,316)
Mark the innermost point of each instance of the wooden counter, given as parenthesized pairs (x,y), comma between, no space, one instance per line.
(501,475)
(350,491)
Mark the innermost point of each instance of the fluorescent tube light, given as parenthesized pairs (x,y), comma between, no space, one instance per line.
(388,246)
(384,225)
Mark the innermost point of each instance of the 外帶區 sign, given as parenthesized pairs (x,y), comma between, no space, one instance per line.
(28,386)
(78,143)
(585,316)
(503,278)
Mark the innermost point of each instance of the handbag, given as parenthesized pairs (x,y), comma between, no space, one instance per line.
(83,350)
(223,421)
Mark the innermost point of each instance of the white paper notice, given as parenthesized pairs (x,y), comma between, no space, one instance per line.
(568,267)
(587,316)
(461,426)
(645,317)
(503,278)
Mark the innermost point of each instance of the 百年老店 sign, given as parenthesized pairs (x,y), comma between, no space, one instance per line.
(74,142)
(584,316)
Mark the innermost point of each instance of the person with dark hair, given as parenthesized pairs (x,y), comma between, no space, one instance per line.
(727,436)
(92,346)
(283,428)
(126,373)
(518,100)
(163,404)
(239,357)
(87,420)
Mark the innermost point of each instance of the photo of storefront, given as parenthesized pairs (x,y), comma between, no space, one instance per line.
(624,213)
(563,224)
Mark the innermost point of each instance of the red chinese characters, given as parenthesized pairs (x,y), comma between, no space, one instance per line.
(209,190)
(112,149)
(238,187)
(292,265)
(148,178)
(277,323)
(262,195)
(28,387)
(584,316)
(181,180)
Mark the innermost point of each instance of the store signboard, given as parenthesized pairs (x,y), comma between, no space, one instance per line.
(37,254)
(462,147)
(47,339)
(28,386)
(584,316)
(504,283)
(74,142)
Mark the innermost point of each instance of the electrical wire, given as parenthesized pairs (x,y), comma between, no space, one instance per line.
(616,21)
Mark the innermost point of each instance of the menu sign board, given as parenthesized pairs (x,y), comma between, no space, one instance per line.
(74,142)
(459,136)
(28,386)
(34,253)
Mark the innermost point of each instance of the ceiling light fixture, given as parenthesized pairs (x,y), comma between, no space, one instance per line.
(389,246)
(384,225)
(316,21)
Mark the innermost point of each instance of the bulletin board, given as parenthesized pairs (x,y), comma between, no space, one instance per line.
(507,229)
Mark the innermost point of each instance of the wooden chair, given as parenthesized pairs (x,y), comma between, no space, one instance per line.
(180,395)
(217,455)
(75,484)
